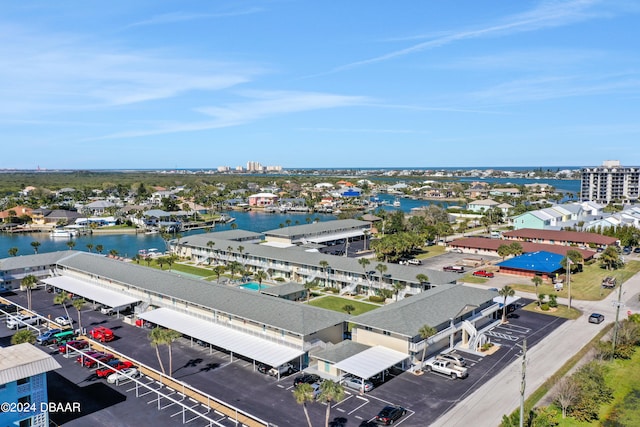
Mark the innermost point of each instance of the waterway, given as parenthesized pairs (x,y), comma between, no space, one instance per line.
(128,245)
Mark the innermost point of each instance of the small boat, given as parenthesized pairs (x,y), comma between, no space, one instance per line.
(396,203)
(62,232)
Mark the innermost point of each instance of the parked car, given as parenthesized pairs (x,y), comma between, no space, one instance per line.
(306,378)
(454,358)
(454,268)
(263,369)
(446,368)
(113,366)
(102,357)
(285,369)
(596,318)
(63,320)
(93,353)
(609,282)
(9,308)
(75,344)
(46,337)
(102,334)
(483,273)
(389,414)
(357,383)
(123,375)
(20,321)
(636,250)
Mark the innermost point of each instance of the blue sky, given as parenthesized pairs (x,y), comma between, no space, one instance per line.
(175,84)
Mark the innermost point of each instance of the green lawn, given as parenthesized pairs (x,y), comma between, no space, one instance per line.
(586,285)
(431,251)
(561,311)
(336,303)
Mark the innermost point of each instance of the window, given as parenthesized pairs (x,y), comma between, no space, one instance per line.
(23,380)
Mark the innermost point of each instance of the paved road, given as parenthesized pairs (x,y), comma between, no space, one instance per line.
(501,394)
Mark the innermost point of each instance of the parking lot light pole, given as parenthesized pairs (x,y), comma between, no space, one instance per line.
(523,383)
(618,304)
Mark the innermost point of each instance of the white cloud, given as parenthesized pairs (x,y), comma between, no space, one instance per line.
(169,18)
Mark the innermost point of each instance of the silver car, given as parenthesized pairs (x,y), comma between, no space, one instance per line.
(357,383)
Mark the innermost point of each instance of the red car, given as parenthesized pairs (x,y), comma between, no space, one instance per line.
(101,357)
(80,359)
(114,365)
(76,344)
(102,334)
(483,273)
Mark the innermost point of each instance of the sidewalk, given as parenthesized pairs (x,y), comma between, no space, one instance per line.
(501,394)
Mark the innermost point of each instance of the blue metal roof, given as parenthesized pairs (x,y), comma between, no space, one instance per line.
(541,262)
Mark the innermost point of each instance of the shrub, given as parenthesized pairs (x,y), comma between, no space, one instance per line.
(486,346)
(333,290)
(376,298)
(553,301)
(408,295)
(280,279)
(544,307)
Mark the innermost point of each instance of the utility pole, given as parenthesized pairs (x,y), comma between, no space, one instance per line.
(618,304)
(524,380)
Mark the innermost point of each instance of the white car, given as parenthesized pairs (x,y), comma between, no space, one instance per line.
(357,383)
(123,375)
(63,320)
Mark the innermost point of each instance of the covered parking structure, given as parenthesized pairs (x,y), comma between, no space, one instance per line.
(371,362)
(236,342)
(99,294)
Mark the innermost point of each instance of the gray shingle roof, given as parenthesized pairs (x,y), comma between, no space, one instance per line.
(339,352)
(30,261)
(280,313)
(433,307)
(284,289)
(318,227)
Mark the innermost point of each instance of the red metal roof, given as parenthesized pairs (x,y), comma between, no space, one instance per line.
(561,236)
(493,244)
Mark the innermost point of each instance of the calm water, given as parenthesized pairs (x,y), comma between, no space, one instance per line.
(128,244)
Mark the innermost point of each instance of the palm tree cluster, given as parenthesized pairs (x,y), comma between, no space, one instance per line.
(161,336)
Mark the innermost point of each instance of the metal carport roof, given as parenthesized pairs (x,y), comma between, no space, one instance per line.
(337,236)
(88,290)
(371,361)
(238,342)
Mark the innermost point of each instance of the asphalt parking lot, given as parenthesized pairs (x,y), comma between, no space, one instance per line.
(213,371)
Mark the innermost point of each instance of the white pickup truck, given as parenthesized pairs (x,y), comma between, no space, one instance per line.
(446,368)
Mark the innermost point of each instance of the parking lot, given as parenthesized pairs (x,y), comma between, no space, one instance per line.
(234,380)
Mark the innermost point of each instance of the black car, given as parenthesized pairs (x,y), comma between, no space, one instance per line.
(8,308)
(389,414)
(262,368)
(637,250)
(306,379)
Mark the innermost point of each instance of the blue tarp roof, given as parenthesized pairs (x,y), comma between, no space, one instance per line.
(541,261)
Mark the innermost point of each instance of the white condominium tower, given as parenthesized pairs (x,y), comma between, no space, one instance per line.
(610,183)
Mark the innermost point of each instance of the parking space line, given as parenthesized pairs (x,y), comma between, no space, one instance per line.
(343,400)
(358,407)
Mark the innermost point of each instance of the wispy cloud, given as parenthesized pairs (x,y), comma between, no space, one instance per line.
(169,18)
(260,105)
(548,14)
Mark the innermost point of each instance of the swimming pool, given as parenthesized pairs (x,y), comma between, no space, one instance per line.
(253,286)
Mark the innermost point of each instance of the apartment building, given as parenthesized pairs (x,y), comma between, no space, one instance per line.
(610,182)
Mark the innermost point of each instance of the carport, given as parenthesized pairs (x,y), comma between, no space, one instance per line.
(337,236)
(90,291)
(371,361)
(247,345)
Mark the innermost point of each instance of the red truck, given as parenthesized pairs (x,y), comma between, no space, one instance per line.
(483,273)
(102,334)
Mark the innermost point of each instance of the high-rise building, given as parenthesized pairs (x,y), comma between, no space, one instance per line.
(610,182)
(254,167)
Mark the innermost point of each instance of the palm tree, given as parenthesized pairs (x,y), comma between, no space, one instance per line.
(308,286)
(422,278)
(324,265)
(381,269)
(90,247)
(169,337)
(35,245)
(62,299)
(425,333)
(156,336)
(13,251)
(78,304)
(218,270)
(113,252)
(397,287)
(537,281)
(99,248)
(506,292)
(229,249)
(233,267)
(303,393)
(330,391)
(71,244)
(348,308)
(260,276)
(210,244)
(22,337)
(29,282)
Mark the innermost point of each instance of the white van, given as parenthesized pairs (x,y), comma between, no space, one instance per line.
(20,321)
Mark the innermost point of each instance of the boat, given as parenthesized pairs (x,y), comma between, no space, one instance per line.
(62,232)
(396,203)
